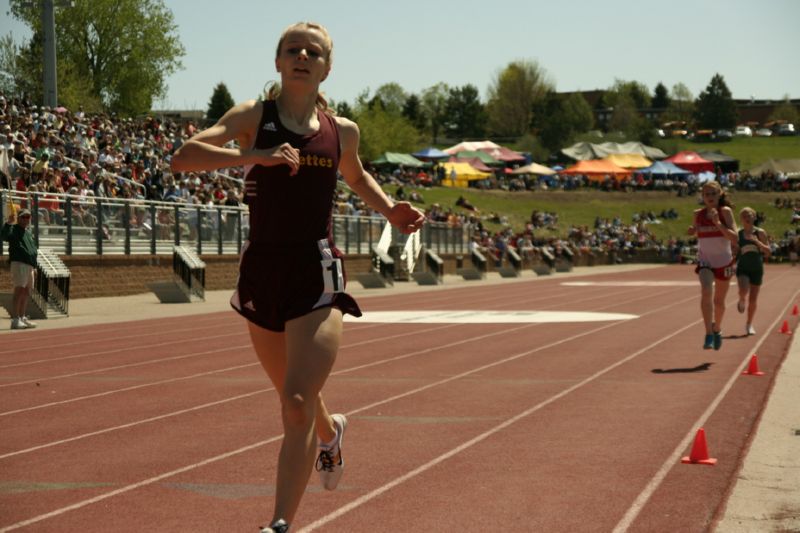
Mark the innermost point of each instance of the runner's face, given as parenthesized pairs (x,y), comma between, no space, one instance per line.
(303,57)
(710,197)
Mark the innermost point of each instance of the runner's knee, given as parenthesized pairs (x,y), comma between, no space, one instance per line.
(296,409)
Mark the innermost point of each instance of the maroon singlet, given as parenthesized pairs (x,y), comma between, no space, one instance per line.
(287,209)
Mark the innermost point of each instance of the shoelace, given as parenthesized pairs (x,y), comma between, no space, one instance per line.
(325,461)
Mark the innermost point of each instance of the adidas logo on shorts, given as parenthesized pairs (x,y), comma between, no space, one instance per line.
(270,126)
(249,305)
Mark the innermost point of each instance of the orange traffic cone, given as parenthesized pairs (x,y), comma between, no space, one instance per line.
(785,328)
(699,453)
(795,311)
(752,368)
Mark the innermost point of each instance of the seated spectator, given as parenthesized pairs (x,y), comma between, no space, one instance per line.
(462,202)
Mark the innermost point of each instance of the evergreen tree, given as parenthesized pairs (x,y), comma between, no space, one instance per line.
(465,113)
(221,101)
(660,97)
(344,110)
(714,107)
(412,110)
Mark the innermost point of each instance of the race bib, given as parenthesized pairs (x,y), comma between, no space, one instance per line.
(332,275)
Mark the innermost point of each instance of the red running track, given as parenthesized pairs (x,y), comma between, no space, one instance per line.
(170,425)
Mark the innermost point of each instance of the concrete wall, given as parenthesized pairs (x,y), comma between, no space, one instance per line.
(114,275)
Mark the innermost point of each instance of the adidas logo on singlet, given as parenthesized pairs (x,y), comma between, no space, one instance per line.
(270,126)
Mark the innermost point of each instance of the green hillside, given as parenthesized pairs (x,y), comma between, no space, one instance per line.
(582,206)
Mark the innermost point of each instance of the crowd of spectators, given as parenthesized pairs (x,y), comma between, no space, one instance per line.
(58,151)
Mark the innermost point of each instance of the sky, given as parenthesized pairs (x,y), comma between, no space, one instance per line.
(581,44)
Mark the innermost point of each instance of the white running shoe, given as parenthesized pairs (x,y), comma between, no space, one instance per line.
(279,526)
(27,321)
(17,323)
(751,330)
(330,464)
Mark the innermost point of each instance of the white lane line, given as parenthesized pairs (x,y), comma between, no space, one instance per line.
(96,341)
(203,374)
(235,398)
(117,367)
(483,436)
(475,316)
(232,453)
(674,458)
(68,333)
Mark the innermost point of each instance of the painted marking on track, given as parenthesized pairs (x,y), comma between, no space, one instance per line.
(642,283)
(486,317)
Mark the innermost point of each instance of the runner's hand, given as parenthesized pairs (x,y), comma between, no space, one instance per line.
(406,217)
(282,154)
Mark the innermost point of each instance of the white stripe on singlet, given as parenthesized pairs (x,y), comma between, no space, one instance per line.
(325,252)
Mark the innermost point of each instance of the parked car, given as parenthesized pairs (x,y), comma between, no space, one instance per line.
(763,132)
(724,135)
(786,129)
(743,131)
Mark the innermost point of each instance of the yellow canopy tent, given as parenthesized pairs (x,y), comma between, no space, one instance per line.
(629,160)
(464,173)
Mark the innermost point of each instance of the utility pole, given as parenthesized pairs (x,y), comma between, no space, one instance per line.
(49,32)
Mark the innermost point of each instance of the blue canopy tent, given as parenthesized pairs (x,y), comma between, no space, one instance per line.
(663,168)
(433,154)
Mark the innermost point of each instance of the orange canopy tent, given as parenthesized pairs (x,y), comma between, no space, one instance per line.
(597,169)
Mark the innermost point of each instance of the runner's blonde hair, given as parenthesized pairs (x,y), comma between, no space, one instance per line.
(274,88)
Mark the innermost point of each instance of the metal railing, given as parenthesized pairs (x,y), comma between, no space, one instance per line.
(89,225)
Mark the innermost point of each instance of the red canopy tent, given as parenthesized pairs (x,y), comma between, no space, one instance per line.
(597,169)
(506,155)
(691,161)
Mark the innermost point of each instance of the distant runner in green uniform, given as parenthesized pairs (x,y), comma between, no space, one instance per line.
(753,248)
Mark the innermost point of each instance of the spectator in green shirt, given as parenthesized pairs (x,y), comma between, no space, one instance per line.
(22,253)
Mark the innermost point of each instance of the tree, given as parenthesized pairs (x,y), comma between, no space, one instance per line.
(512,96)
(221,101)
(561,117)
(681,105)
(434,108)
(465,113)
(660,97)
(392,97)
(626,118)
(786,112)
(125,49)
(343,109)
(385,132)
(634,91)
(412,110)
(715,108)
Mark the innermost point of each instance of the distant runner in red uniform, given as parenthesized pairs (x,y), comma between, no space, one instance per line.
(715,228)
(291,278)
